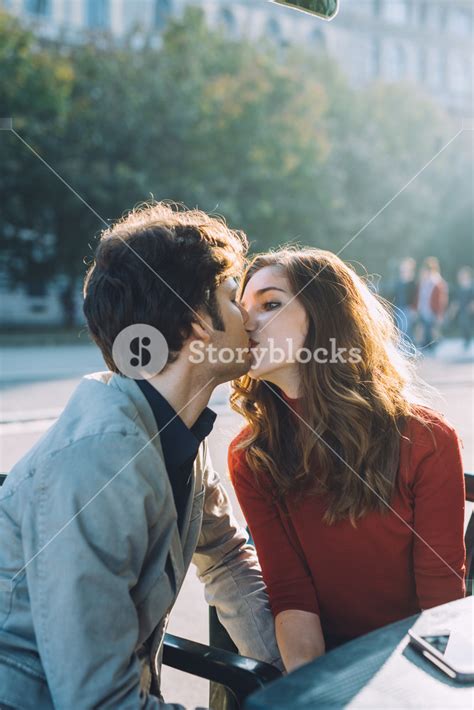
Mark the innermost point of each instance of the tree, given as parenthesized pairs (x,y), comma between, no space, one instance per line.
(35,89)
(275,140)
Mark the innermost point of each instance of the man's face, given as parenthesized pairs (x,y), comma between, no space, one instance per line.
(229,354)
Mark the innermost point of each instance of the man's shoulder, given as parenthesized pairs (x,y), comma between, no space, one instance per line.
(95,408)
(99,414)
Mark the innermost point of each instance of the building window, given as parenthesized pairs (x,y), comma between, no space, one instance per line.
(458,74)
(437,70)
(274,29)
(38,7)
(423,13)
(422,65)
(317,38)
(98,14)
(227,19)
(374,58)
(396,62)
(163,9)
(396,11)
(459,22)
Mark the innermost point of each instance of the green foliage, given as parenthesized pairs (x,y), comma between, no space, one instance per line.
(275,141)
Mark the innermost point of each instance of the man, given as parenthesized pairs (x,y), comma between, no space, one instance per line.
(100,520)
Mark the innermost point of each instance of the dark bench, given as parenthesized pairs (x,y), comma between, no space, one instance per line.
(469,536)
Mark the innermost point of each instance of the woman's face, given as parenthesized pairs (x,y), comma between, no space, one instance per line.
(277,325)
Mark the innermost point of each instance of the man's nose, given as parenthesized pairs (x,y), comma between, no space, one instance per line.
(250,321)
(245,314)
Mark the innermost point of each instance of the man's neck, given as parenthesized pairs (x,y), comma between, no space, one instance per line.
(186,390)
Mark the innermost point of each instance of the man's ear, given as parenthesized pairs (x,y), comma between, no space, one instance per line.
(201,328)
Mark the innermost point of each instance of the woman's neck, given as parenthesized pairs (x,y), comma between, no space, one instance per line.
(290,385)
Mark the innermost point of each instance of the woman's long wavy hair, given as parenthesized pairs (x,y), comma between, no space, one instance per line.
(344,441)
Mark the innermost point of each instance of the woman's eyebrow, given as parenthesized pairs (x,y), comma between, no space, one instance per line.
(269,288)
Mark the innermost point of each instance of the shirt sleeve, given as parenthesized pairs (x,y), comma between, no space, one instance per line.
(439,498)
(289,583)
(229,569)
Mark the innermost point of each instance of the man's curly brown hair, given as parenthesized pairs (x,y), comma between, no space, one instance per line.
(160,264)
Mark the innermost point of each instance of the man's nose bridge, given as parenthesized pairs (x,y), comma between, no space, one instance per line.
(245,315)
(250,320)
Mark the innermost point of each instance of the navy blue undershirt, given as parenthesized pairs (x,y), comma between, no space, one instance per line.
(180,444)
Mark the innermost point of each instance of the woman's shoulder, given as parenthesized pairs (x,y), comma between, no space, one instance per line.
(427,426)
(241,436)
(426,435)
(236,454)
(241,473)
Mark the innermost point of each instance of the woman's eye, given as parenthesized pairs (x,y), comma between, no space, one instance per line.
(271,305)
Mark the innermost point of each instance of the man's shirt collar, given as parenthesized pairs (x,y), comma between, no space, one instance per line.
(179,443)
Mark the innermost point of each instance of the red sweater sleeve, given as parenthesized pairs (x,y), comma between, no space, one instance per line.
(285,573)
(439,495)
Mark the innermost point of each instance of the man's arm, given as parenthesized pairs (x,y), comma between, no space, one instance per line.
(229,568)
(85,542)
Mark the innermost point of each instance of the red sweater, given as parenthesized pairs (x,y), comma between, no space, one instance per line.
(386,569)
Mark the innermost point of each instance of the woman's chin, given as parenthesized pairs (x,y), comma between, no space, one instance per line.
(254,374)
(258,373)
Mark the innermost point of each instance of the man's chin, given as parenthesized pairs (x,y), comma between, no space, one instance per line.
(234,372)
(242,369)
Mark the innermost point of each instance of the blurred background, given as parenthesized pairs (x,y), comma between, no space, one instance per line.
(293,128)
(354,136)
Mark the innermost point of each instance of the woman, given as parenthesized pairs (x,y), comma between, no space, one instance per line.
(354,494)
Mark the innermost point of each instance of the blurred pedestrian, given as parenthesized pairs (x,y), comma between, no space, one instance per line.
(405,297)
(462,307)
(432,302)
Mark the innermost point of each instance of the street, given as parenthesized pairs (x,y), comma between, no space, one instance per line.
(36,383)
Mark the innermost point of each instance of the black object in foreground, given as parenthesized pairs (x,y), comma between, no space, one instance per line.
(240,675)
(326,9)
(379,669)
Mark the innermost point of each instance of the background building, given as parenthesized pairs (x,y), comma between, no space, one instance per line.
(426,42)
